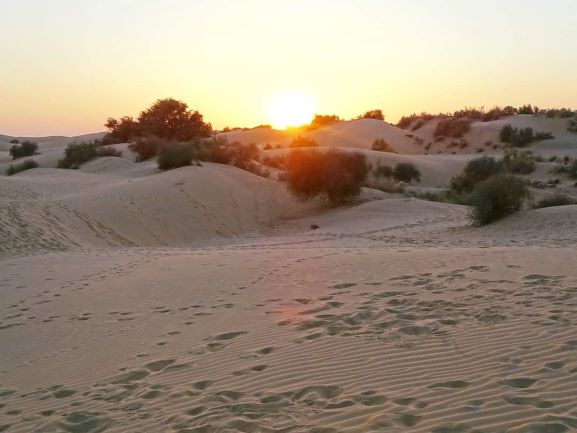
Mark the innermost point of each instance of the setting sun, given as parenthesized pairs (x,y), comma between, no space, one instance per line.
(291,109)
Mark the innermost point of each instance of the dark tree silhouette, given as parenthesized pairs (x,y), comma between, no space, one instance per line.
(172,120)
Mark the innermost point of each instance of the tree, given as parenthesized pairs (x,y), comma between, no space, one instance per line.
(172,120)
(121,130)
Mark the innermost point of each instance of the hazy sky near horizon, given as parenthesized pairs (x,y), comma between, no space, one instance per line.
(67,65)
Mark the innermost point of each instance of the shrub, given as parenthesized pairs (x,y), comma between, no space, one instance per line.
(373,114)
(518,162)
(321,121)
(452,127)
(14,141)
(406,172)
(383,171)
(23,166)
(496,198)
(336,174)
(175,155)
(572,127)
(147,147)
(77,154)
(526,109)
(27,148)
(554,200)
(303,142)
(476,171)
(382,146)
(522,137)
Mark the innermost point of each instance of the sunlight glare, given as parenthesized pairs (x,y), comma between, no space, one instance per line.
(291,110)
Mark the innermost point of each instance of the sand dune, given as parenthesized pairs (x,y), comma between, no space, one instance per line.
(208,300)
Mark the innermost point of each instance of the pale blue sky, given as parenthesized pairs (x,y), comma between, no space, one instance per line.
(67,65)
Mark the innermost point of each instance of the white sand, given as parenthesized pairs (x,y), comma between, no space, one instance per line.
(201,301)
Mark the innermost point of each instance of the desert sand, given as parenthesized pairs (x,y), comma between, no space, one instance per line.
(201,300)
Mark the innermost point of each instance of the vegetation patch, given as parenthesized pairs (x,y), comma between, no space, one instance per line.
(496,198)
(27,148)
(23,166)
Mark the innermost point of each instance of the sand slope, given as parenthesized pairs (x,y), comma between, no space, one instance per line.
(377,321)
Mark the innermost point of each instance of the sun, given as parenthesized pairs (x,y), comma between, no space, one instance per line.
(291,109)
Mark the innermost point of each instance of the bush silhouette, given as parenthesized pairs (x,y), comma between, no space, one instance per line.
(518,162)
(27,148)
(335,174)
(172,120)
(382,146)
(175,155)
(373,114)
(166,118)
(147,147)
(476,171)
(23,166)
(406,172)
(496,198)
(322,120)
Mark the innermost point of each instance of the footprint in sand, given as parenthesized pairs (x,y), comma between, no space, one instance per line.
(451,384)
(520,382)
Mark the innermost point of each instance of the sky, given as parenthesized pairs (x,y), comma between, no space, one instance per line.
(68,65)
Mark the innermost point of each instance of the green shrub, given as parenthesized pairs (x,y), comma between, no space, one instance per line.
(337,175)
(23,166)
(496,198)
(77,154)
(518,162)
(382,146)
(14,141)
(476,171)
(452,127)
(406,172)
(572,127)
(27,148)
(554,200)
(175,155)
(147,147)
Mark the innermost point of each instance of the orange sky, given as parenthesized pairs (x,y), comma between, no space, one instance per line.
(67,65)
